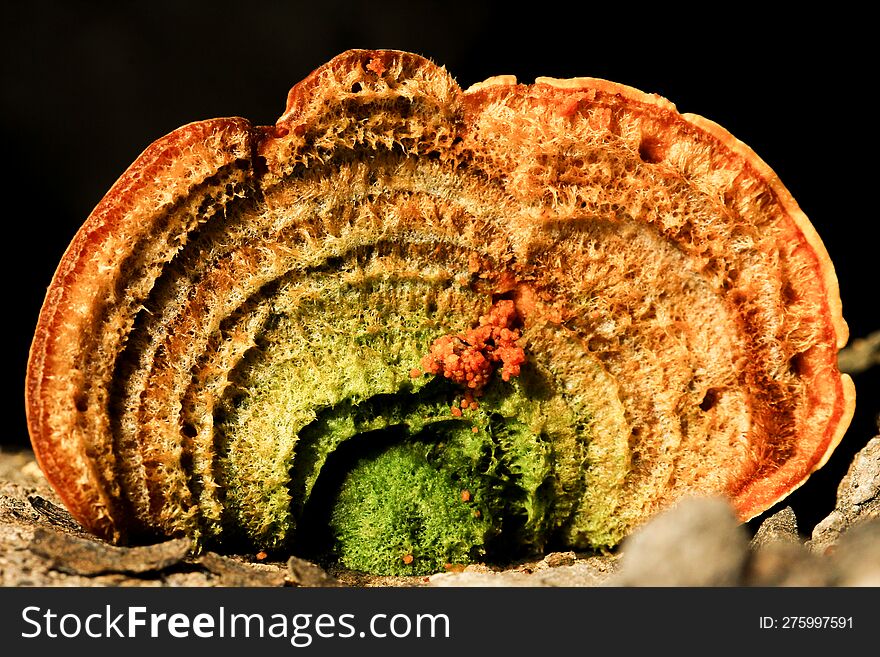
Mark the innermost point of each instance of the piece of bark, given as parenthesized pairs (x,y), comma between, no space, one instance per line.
(80,556)
(860,355)
(56,515)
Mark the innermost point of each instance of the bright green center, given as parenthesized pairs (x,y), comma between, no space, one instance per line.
(430,489)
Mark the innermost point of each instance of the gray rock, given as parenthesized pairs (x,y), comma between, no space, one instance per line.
(787,563)
(858,498)
(306,573)
(577,574)
(555,569)
(856,557)
(482,579)
(697,542)
(780,527)
(557,559)
(231,572)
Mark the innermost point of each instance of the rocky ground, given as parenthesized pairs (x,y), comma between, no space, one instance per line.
(696,543)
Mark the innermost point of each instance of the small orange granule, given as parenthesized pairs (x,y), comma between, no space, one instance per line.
(470,358)
(456,411)
(261,555)
(407,559)
(415,373)
(465,495)
(376,66)
(475,430)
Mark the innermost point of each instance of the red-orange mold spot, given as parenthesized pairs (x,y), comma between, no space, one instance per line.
(470,358)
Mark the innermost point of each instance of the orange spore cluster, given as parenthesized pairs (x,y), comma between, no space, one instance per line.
(470,358)
(376,66)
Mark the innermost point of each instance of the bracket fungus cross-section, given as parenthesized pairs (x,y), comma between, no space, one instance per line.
(263,335)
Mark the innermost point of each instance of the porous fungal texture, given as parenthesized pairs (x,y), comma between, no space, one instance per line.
(447,324)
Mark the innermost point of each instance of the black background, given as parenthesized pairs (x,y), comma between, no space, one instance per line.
(87,86)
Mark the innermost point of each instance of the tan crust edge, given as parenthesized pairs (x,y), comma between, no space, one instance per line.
(611,88)
(494,81)
(829,278)
(750,503)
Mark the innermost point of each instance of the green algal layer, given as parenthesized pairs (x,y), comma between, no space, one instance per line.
(540,460)
(329,339)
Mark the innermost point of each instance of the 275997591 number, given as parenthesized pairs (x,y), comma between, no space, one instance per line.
(806,622)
